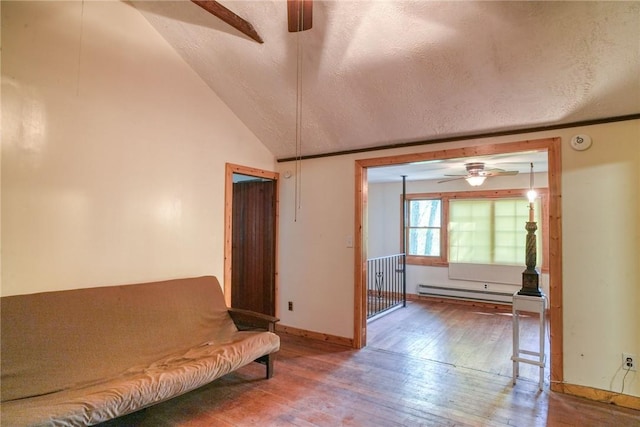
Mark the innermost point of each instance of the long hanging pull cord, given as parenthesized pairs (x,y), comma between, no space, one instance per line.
(80,48)
(298,168)
(531,178)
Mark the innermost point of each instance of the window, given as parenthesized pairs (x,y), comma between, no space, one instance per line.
(472,227)
(490,231)
(470,232)
(424,227)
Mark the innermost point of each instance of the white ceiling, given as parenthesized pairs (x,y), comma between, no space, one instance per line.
(376,73)
(439,169)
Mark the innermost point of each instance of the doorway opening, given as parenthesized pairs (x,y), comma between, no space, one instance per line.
(251,213)
(551,147)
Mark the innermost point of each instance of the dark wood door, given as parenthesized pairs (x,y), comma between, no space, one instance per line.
(253,245)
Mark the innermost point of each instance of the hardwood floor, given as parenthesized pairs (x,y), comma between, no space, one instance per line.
(430,364)
(472,337)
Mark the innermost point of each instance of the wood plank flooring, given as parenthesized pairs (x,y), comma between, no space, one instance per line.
(473,337)
(449,370)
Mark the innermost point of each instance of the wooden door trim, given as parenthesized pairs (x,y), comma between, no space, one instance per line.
(553,148)
(230,169)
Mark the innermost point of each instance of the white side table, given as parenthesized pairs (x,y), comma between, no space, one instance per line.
(529,304)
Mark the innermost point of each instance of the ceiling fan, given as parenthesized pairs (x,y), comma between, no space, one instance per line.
(477,173)
(299,16)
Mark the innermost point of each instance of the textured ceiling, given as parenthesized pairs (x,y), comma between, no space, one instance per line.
(376,73)
(439,169)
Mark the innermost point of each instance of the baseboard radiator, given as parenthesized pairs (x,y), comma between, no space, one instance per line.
(466,294)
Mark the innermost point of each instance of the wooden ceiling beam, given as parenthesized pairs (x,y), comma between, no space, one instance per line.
(230,18)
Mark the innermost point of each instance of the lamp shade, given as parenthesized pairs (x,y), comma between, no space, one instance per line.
(475,181)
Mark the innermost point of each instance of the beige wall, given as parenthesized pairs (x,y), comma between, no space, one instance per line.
(113,151)
(601,238)
(113,155)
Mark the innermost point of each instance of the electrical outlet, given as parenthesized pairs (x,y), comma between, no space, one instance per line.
(290,305)
(628,361)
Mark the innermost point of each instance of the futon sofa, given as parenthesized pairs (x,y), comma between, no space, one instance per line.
(81,357)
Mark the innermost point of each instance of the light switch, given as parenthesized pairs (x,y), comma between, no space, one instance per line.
(349,241)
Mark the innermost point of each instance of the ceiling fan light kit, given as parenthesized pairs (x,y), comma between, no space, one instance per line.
(477,173)
(475,181)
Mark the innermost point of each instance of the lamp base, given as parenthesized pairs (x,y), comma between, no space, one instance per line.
(530,280)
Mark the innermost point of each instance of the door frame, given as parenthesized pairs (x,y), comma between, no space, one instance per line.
(230,169)
(553,148)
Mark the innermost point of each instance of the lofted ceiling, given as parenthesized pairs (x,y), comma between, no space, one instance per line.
(375,73)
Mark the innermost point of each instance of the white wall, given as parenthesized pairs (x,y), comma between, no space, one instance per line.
(113,151)
(601,242)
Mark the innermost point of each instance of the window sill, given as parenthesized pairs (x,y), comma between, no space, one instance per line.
(426,261)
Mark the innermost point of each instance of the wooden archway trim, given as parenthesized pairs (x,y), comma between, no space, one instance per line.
(553,148)
(230,169)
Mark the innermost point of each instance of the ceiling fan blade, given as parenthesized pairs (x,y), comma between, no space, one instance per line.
(300,15)
(452,179)
(501,173)
(230,18)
